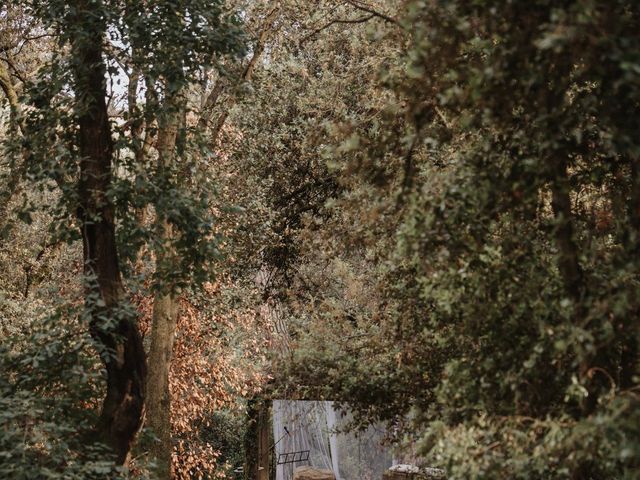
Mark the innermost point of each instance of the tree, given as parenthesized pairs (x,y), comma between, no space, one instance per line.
(111,325)
(69,116)
(489,301)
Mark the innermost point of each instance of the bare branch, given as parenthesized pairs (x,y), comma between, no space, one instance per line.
(367,8)
(333,22)
(24,41)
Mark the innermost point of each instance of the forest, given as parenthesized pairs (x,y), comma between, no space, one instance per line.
(419,217)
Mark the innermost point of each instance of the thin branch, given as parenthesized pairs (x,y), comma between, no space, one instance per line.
(336,21)
(366,8)
(29,39)
(23,41)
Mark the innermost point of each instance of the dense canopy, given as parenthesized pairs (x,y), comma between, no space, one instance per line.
(425,211)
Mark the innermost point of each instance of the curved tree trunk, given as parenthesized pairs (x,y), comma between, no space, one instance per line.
(112,325)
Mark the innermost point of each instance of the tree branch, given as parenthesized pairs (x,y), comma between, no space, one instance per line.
(333,22)
(366,8)
(246,76)
(10,92)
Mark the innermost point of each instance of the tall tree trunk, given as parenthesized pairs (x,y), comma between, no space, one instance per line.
(251,450)
(258,441)
(112,325)
(165,315)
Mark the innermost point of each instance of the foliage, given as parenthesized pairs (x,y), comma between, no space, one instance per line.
(50,386)
(168,45)
(436,220)
(214,364)
(477,268)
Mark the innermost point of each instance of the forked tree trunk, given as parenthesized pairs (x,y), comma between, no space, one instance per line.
(112,325)
(165,317)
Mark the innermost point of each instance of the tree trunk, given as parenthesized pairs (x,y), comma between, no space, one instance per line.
(111,324)
(7,87)
(251,440)
(18,169)
(264,441)
(165,316)
(258,441)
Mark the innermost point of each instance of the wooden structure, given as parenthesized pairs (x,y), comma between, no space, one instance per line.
(293,457)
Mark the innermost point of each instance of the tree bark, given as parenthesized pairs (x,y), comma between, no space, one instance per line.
(251,454)
(165,315)
(258,442)
(16,128)
(7,87)
(112,325)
